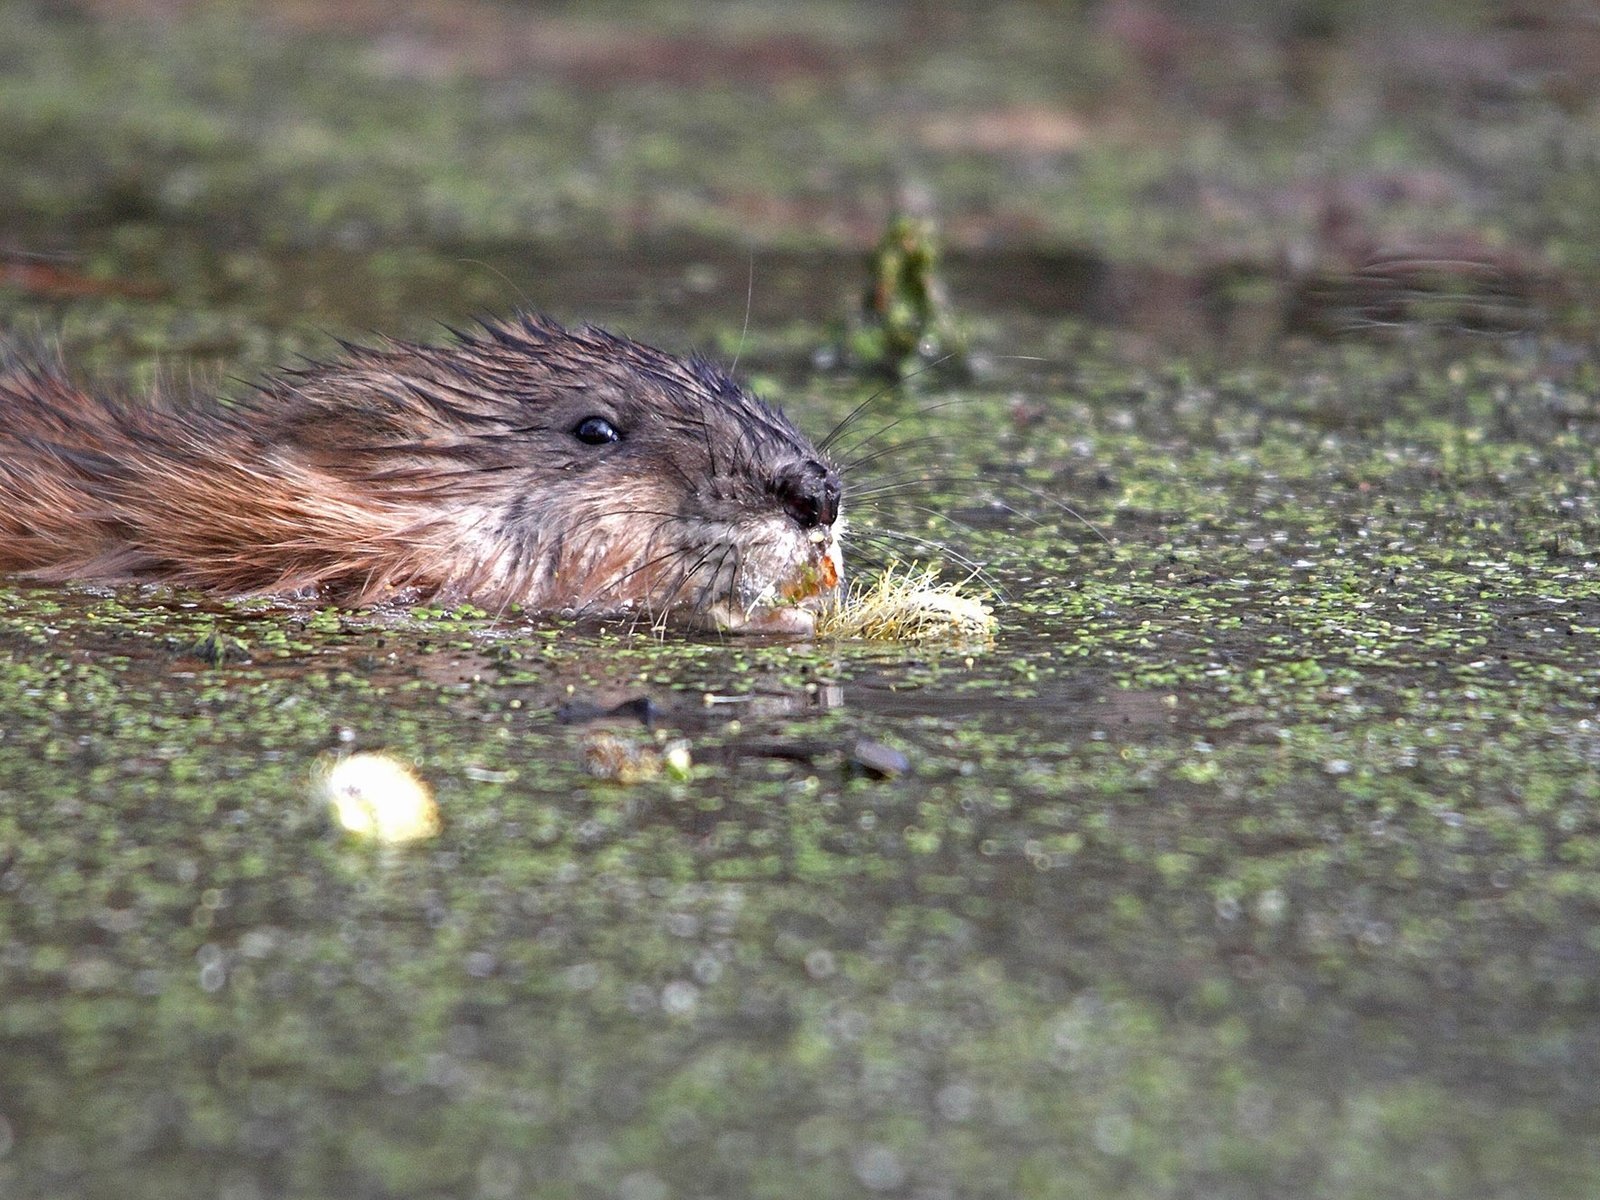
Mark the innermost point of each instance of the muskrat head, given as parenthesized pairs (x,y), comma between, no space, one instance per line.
(582,471)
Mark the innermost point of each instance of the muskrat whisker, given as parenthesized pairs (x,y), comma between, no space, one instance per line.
(659,616)
(736,578)
(883,429)
(617,581)
(910,485)
(828,439)
(884,541)
(895,486)
(690,485)
(878,496)
(687,574)
(749,302)
(522,296)
(833,435)
(943,516)
(866,460)
(703,598)
(904,486)
(937,471)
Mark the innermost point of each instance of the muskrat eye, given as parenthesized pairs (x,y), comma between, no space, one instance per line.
(596,431)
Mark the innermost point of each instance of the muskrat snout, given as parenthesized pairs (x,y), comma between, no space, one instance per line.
(810,492)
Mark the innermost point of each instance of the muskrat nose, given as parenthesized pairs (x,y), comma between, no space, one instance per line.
(810,493)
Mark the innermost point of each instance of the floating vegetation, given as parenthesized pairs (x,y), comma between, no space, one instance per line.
(910,604)
(218,649)
(378,797)
(618,759)
(904,320)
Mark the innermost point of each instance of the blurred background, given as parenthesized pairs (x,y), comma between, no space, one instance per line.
(1213,174)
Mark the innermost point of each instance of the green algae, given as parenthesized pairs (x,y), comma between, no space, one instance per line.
(1258,857)
(1259,850)
(904,321)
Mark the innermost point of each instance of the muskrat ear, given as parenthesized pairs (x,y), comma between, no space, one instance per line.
(596,431)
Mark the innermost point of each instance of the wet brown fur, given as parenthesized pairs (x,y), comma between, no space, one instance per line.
(408,472)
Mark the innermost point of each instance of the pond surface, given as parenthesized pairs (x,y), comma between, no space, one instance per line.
(1258,856)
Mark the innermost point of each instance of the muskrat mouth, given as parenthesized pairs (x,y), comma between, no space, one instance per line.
(792,605)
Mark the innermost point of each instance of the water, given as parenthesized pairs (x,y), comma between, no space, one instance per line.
(1254,852)
(1256,857)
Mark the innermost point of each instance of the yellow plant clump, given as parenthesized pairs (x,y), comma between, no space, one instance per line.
(910,604)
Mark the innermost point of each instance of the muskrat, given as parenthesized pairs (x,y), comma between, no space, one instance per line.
(519,464)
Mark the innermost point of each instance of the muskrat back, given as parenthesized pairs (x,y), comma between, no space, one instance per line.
(522,463)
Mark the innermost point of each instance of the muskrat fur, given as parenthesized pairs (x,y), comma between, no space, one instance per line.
(520,464)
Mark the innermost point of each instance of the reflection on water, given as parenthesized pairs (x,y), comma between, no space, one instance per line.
(375,796)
